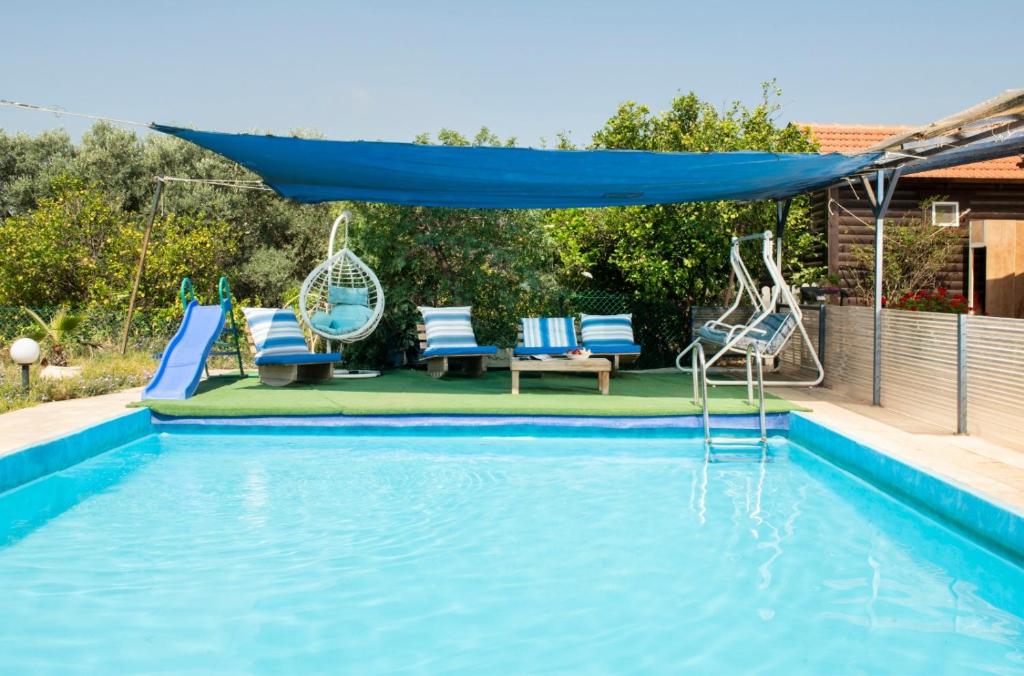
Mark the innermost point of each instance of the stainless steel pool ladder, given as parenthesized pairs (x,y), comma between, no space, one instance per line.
(700,395)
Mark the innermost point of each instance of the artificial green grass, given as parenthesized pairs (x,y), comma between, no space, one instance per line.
(414,392)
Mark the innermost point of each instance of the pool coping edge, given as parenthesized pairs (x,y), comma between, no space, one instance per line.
(26,464)
(982,516)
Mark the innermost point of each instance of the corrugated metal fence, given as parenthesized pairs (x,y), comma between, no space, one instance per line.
(995,378)
(921,369)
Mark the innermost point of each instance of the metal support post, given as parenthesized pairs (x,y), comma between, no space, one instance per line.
(961,374)
(781,215)
(142,263)
(876,351)
(880,199)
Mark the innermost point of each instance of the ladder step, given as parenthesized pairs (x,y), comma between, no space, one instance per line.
(734,458)
(738,442)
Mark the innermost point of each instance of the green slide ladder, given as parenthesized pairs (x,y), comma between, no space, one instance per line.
(229,342)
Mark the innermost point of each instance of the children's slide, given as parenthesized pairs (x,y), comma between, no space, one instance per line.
(182,363)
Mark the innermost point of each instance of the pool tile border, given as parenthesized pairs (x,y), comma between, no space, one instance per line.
(999,526)
(32,462)
(775,421)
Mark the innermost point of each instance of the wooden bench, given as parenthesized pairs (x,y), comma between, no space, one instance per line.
(602,367)
(474,365)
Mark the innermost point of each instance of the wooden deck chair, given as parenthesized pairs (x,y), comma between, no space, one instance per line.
(282,355)
(446,339)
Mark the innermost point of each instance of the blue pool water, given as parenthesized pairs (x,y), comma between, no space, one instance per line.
(285,553)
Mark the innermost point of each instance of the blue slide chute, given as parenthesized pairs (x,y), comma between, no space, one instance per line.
(182,363)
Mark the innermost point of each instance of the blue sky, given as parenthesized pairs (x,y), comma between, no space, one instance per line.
(389,70)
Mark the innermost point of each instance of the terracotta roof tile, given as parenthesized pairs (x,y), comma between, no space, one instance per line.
(851,138)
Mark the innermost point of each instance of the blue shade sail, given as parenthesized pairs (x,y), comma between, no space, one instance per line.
(310,170)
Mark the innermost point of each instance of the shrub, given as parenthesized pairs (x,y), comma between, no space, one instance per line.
(77,249)
(937,300)
(106,372)
(916,255)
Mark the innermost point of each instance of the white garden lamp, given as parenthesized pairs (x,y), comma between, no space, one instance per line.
(24,351)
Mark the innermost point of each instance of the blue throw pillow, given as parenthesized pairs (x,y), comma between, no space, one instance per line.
(448,326)
(607,329)
(348,295)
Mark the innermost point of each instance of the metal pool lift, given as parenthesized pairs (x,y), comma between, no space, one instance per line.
(763,336)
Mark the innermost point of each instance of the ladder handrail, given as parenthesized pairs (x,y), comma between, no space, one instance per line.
(699,368)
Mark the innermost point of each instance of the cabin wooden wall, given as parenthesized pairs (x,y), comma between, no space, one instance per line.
(849,221)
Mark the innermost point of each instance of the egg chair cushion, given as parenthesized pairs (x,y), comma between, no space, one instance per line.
(348,295)
(348,318)
(321,321)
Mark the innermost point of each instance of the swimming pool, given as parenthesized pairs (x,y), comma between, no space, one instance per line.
(505,550)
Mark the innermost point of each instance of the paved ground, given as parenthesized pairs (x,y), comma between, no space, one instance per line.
(57,418)
(970,461)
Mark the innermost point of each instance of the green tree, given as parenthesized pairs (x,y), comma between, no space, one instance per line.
(77,249)
(500,261)
(28,167)
(676,255)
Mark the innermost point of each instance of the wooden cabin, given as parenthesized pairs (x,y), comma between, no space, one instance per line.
(989,207)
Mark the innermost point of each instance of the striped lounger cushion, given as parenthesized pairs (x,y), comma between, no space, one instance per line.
(448,327)
(553,332)
(607,329)
(275,332)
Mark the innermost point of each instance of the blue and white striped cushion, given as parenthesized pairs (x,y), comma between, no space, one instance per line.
(549,332)
(448,326)
(275,331)
(607,329)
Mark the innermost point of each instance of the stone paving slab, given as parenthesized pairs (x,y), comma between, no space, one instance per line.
(981,465)
(44,422)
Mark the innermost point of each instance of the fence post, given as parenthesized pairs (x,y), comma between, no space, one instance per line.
(961,374)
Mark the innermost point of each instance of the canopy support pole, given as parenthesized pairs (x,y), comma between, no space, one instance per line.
(879,199)
(142,262)
(781,216)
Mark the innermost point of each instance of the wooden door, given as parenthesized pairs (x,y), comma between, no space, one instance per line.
(1004,268)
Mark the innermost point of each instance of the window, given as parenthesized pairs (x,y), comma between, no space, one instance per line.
(946,214)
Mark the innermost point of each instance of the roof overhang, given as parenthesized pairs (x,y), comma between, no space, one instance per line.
(987,131)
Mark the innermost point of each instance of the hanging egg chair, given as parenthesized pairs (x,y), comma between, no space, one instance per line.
(341,299)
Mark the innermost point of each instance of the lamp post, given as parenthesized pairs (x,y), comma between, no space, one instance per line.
(25,352)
